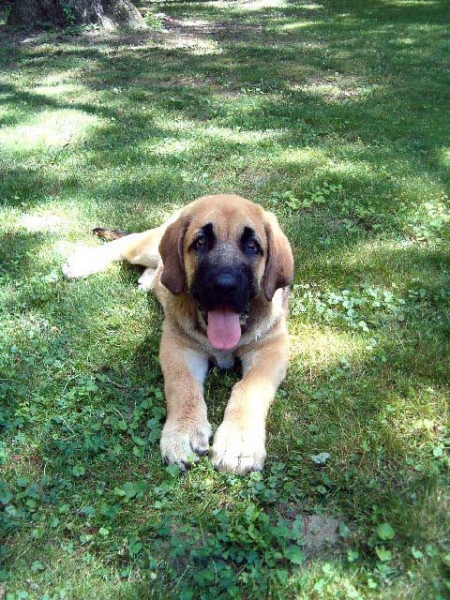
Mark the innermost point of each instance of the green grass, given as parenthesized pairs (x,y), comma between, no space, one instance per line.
(336,116)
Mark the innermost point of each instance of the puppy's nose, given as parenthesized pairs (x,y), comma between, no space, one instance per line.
(226,284)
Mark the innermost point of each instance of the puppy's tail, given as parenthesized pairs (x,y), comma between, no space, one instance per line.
(109,234)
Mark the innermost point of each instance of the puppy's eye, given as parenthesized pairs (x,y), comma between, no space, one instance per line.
(252,247)
(201,243)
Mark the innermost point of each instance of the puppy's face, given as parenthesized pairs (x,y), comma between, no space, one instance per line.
(224,263)
(222,251)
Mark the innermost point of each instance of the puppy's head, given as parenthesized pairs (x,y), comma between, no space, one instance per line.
(225,251)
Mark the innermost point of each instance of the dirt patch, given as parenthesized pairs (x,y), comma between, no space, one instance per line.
(218,30)
(320,532)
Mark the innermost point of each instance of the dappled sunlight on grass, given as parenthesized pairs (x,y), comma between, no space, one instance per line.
(206,136)
(336,89)
(39,223)
(251,5)
(304,157)
(299,25)
(49,129)
(238,136)
(53,89)
(196,45)
(418,413)
(444,157)
(315,349)
(58,218)
(333,115)
(413,3)
(174,146)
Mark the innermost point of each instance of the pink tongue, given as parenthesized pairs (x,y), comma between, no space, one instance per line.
(224,329)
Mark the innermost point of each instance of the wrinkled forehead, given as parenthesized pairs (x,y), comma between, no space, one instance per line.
(229,218)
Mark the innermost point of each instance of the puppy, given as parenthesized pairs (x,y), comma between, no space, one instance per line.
(221,268)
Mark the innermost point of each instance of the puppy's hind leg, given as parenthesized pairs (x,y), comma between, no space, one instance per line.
(136,248)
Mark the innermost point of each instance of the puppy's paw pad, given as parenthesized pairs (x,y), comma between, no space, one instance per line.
(238,450)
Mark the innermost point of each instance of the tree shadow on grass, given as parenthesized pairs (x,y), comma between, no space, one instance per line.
(240,65)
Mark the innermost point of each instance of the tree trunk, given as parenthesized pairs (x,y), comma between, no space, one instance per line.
(31,13)
(108,14)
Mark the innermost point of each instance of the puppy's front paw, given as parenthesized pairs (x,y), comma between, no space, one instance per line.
(239,449)
(183,442)
(84,263)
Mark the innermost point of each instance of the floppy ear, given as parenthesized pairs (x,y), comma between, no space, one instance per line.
(171,251)
(279,271)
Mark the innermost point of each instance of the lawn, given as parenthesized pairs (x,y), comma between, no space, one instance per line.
(333,114)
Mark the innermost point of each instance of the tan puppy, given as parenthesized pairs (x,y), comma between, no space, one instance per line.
(220,269)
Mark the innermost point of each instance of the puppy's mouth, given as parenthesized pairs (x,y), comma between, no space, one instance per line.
(223,296)
(223,328)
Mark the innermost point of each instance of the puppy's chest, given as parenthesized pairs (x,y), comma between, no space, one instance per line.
(222,359)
